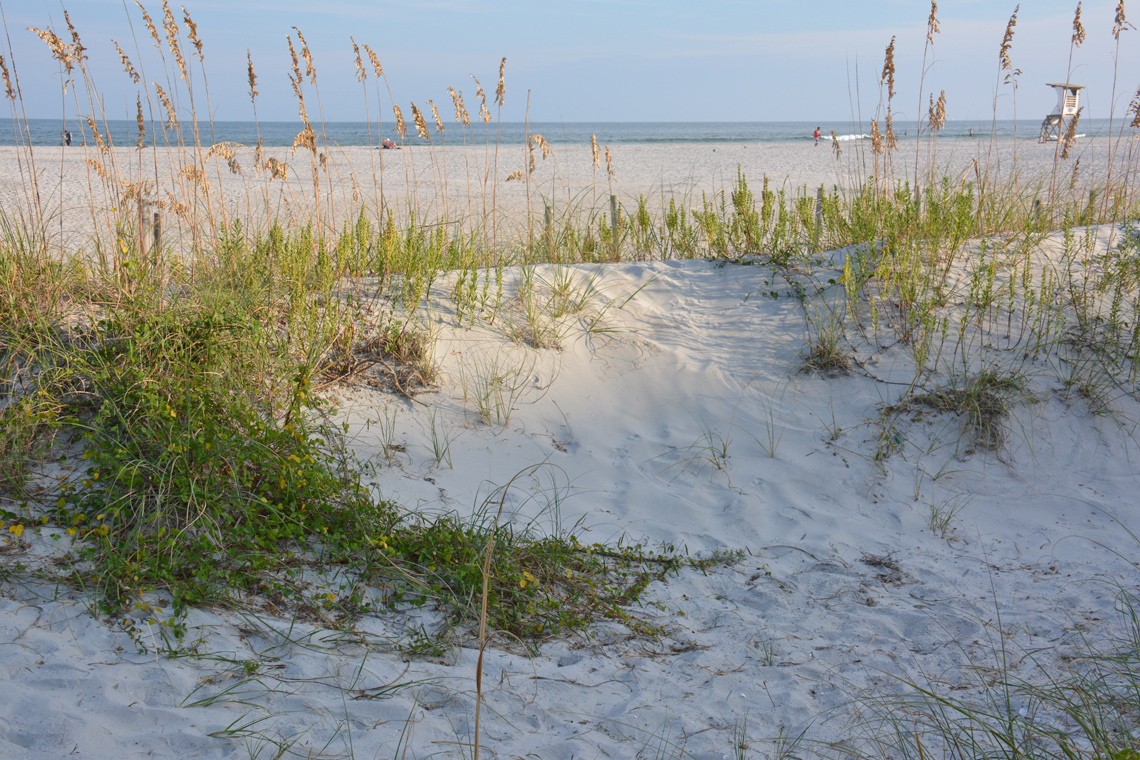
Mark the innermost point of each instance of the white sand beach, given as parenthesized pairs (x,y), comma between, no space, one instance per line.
(675,410)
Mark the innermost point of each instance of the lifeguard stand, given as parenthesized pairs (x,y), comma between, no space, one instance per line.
(1068,103)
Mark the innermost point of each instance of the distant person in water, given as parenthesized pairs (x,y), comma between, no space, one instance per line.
(971,133)
(815,134)
(67,138)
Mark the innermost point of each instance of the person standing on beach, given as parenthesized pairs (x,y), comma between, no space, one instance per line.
(816,136)
(67,138)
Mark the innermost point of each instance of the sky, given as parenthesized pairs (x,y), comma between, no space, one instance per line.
(586,60)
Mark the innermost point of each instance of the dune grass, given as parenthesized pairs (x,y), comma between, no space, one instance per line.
(160,388)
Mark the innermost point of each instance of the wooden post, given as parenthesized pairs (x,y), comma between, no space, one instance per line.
(143,215)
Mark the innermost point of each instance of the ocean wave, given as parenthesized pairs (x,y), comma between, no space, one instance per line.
(847,138)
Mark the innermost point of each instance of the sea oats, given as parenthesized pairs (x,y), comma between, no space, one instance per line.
(401,127)
(889,140)
(252,77)
(139,121)
(1075,175)
(277,169)
(932,22)
(310,70)
(305,139)
(296,78)
(421,124)
(99,169)
(150,26)
(610,163)
(77,48)
(60,50)
(460,108)
(501,87)
(937,113)
(127,66)
(435,115)
(8,91)
(1070,137)
(540,141)
(1134,109)
(192,32)
(171,116)
(1078,28)
(361,74)
(530,157)
(484,114)
(1120,23)
(375,62)
(515,176)
(170,26)
(594,148)
(1006,45)
(888,74)
(876,138)
(835,144)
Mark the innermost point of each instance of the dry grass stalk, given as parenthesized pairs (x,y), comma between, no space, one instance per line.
(484,114)
(876,138)
(139,121)
(277,169)
(501,87)
(258,156)
(60,50)
(530,155)
(251,76)
(1120,23)
(310,69)
(1070,136)
(305,139)
(594,148)
(1076,173)
(8,91)
(401,127)
(937,115)
(99,169)
(375,62)
(516,175)
(170,26)
(150,26)
(888,74)
(421,124)
(610,164)
(835,145)
(361,75)
(1078,28)
(890,142)
(435,115)
(127,66)
(77,48)
(171,116)
(461,114)
(932,22)
(95,133)
(192,33)
(1006,45)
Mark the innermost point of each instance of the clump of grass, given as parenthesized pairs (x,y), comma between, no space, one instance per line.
(982,401)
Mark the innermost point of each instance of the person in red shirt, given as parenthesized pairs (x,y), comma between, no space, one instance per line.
(816,136)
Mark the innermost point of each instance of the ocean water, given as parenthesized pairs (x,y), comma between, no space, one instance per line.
(46,132)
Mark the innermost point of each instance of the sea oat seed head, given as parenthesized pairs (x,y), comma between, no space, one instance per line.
(835,144)
(130,69)
(515,176)
(310,70)
(361,75)
(1134,109)
(8,91)
(60,50)
(192,32)
(932,22)
(171,116)
(77,48)
(1120,23)
(139,121)
(888,74)
(484,114)
(170,26)
(501,87)
(889,141)
(1078,28)
(1006,45)
(610,163)
(421,125)
(150,26)
(594,149)
(252,77)
(435,115)
(876,138)
(401,127)
(460,108)
(375,62)
(1070,136)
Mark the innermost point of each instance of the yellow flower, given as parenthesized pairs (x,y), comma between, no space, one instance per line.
(16,530)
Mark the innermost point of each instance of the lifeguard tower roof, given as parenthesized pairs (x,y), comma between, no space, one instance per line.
(1067,86)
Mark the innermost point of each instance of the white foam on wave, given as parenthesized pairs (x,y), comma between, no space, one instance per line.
(846,138)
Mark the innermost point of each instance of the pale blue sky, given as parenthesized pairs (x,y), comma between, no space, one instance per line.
(589,60)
